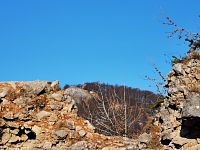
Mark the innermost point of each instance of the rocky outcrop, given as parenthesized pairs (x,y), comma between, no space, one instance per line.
(180,113)
(39,115)
(78,94)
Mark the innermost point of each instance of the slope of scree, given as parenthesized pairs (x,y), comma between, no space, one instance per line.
(179,115)
(39,115)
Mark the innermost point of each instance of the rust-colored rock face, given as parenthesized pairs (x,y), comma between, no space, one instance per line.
(38,115)
(180,112)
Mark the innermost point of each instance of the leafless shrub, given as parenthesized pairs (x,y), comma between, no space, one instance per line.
(182,33)
(117,110)
(159,83)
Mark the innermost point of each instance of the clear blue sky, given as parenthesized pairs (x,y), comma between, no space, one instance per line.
(77,41)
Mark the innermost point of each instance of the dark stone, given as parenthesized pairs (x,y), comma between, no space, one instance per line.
(191,117)
(191,107)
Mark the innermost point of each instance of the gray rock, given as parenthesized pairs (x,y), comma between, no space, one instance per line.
(166,135)
(178,68)
(5,101)
(42,114)
(78,94)
(69,108)
(70,124)
(14,139)
(55,85)
(3,92)
(144,138)
(5,138)
(53,118)
(37,130)
(21,101)
(61,134)
(15,131)
(69,99)
(57,96)
(55,106)
(191,107)
(82,133)
(172,90)
(81,145)
(34,87)
(47,145)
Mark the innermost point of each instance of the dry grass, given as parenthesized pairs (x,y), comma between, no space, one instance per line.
(187,58)
(154,143)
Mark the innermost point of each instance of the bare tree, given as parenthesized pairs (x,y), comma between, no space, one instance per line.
(182,33)
(115,112)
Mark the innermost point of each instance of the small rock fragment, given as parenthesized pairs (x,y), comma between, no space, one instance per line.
(53,118)
(70,124)
(61,134)
(47,145)
(2,122)
(13,139)
(3,92)
(82,133)
(81,145)
(42,114)
(57,96)
(5,138)
(15,131)
(37,130)
(55,106)
(55,85)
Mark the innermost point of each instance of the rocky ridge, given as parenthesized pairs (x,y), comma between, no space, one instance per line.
(179,115)
(39,115)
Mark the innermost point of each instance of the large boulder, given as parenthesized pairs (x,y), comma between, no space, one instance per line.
(191,107)
(78,94)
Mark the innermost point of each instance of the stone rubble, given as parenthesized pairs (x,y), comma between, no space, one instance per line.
(39,115)
(179,115)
